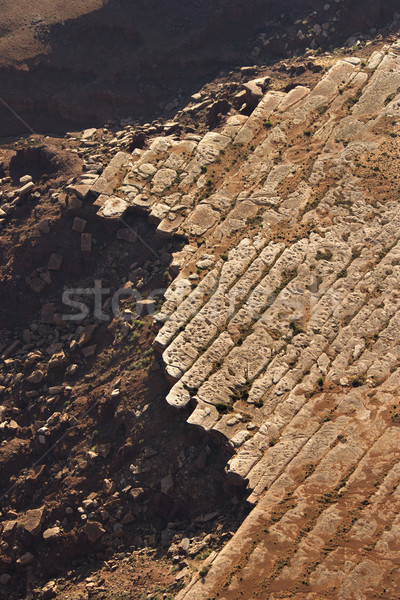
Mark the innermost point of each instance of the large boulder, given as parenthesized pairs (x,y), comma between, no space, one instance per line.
(32,520)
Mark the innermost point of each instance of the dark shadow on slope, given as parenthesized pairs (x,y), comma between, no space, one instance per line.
(132,57)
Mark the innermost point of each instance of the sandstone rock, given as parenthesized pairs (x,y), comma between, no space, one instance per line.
(8,528)
(57,360)
(255,90)
(79,224)
(74,203)
(128,518)
(146,306)
(206,261)
(26,559)
(47,314)
(37,285)
(34,475)
(32,520)
(108,487)
(136,493)
(147,169)
(87,334)
(111,207)
(49,591)
(202,219)
(182,574)
(36,377)
(55,262)
(184,545)
(93,531)
(88,133)
(80,191)
(163,179)
(107,182)
(26,189)
(51,534)
(44,226)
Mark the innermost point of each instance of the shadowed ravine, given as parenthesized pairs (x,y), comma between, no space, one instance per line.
(134,58)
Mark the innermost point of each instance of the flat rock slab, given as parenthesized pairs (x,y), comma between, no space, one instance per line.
(202,219)
(55,262)
(111,207)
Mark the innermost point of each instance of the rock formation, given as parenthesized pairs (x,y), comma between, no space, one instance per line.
(285,338)
(266,212)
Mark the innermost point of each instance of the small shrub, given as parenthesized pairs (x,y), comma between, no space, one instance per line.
(222,408)
(357,381)
(323,255)
(203,572)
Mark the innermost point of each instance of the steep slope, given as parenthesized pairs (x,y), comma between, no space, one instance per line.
(282,328)
(278,339)
(66,65)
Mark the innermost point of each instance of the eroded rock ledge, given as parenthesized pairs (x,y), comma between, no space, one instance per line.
(282,326)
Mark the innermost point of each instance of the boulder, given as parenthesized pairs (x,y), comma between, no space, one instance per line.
(93,531)
(55,262)
(36,377)
(8,528)
(57,360)
(79,224)
(32,520)
(47,314)
(255,90)
(88,133)
(26,189)
(44,226)
(79,190)
(184,545)
(26,559)
(51,534)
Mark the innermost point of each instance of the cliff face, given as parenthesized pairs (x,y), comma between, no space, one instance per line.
(127,58)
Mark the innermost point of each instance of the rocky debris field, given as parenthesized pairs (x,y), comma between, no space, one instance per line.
(229,426)
(98,474)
